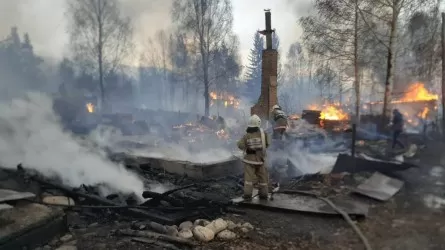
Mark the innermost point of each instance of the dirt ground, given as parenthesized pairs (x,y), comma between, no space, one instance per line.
(412,220)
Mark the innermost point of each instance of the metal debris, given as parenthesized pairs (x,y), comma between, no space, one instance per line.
(379,187)
(11,195)
(296,203)
(347,163)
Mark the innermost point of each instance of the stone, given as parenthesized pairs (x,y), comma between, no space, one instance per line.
(201,222)
(244,230)
(217,225)
(172,230)
(185,225)
(46,247)
(185,234)
(203,234)
(101,246)
(58,200)
(66,238)
(248,226)
(54,242)
(66,247)
(230,225)
(226,235)
(95,224)
(72,243)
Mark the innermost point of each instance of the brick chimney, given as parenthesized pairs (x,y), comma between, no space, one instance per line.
(269,73)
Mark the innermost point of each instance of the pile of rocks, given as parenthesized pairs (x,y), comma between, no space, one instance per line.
(201,230)
(205,231)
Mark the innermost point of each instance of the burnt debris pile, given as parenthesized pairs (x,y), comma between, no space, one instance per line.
(193,200)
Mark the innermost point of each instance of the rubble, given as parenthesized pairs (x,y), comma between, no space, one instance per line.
(217,226)
(58,200)
(186,234)
(226,235)
(66,238)
(185,225)
(201,222)
(203,234)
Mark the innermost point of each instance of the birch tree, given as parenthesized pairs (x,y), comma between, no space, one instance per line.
(390,14)
(334,34)
(209,23)
(101,37)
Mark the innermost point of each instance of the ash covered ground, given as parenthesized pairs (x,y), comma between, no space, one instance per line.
(97,167)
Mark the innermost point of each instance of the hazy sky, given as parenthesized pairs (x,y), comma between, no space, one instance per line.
(45,20)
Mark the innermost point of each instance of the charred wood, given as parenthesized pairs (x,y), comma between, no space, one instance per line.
(156,236)
(155,242)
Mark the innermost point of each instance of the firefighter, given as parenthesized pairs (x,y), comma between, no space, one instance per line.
(254,144)
(279,122)
(397,128)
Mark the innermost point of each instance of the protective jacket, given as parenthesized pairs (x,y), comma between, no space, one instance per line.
(279,119)
(254,146)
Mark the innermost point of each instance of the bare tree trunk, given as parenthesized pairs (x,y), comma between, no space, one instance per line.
(390,64)
(100,55)
(206,93)
(356,67)
(205,69)
(443,75)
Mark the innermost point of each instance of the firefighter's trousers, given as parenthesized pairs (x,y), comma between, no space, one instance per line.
(254,173)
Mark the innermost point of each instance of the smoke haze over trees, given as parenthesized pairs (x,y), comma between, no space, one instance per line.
(345,50)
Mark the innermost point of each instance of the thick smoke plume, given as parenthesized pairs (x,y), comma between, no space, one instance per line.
(30,133)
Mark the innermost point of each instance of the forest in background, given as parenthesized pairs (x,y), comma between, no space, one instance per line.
(350,52)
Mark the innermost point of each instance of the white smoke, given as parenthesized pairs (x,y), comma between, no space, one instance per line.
(180,153)
(31,134)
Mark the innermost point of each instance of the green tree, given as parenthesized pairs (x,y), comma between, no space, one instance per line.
(253,74)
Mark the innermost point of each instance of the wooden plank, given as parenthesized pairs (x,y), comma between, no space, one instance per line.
(11,195)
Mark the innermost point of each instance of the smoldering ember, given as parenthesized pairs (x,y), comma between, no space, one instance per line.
(326,133)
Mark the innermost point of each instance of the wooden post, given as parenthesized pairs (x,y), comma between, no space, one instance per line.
(443,76)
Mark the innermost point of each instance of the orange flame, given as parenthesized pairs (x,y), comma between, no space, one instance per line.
(313,107)
(90,107)
(417,92)
(226,98)
(424,113)
(333,113)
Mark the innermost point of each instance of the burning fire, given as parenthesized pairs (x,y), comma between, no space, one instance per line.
(90,107)
(228,99)
(313,107)
(222,134)
(333,113)
(417,92)
(424,113)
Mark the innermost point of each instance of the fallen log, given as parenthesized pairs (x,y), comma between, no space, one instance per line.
(157,197)
(177,189)
(154,242)
(156,236)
